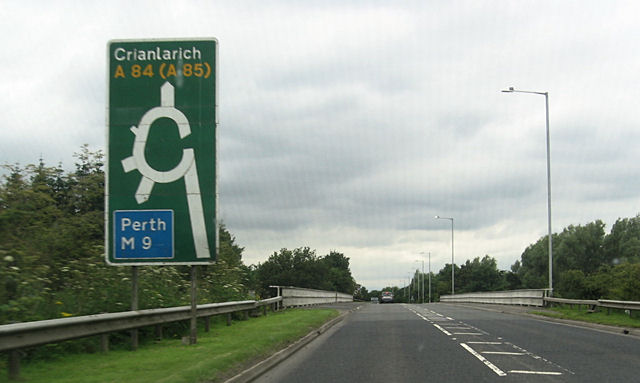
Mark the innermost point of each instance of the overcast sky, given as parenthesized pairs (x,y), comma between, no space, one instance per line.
(349,125)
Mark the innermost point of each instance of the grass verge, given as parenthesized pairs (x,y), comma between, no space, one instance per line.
(616,318)
(217,353)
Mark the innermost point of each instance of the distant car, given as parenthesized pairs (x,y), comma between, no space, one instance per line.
(374,300)
(387,297)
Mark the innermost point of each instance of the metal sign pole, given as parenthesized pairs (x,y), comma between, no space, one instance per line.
(134,304)
(193,336)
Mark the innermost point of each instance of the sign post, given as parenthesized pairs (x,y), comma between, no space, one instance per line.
(161,159)
(161,172)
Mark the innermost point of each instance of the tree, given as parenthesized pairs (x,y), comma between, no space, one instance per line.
(302,268)
(623,243)
(339,272)
(580,248)
(361,293)
(534,265)
(572,284)
(480,275)
(442,280)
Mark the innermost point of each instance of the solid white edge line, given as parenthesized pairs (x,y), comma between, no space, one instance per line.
(492,366)
(535,372)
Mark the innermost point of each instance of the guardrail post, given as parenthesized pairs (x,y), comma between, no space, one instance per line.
(104,342)
(158,332)
(264,310)
(14,364)
(207,324)
(229,319)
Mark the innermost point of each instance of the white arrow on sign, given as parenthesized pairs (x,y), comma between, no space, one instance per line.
(186,168)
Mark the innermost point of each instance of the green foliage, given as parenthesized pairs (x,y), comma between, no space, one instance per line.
(302,268)
(587,263)
(361,293)
(480,275)
(580,248)
(613,318)
(52,251)
(623,243)
(534,266)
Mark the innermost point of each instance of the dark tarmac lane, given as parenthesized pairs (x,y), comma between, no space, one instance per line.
(448,343)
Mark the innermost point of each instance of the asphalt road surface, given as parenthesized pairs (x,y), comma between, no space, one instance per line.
(448,343)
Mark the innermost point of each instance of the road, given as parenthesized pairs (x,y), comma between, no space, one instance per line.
(448,343)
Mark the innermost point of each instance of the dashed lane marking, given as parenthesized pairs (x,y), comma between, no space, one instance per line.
(534,372)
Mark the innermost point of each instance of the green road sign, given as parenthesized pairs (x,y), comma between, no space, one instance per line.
(161,155)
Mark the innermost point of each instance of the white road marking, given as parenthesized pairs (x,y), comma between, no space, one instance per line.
(535,372)
(447,333)
(492,366)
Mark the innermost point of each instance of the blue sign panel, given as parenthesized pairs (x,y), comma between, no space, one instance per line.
(143,234)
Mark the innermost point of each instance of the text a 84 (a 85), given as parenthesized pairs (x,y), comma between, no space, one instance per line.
(164,70)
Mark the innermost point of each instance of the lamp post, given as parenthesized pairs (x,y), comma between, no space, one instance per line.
(421,281)
(422,253)
(422,299)
(452,262)
(429,275)
(546,100)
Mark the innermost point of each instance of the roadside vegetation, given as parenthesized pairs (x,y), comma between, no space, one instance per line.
(52,258)
(587,264)
(612,317)
(219,354)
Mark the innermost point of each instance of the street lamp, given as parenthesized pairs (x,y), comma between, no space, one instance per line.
(422,253)
(546,100)
(452,263)
(422,277)
(429,277)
